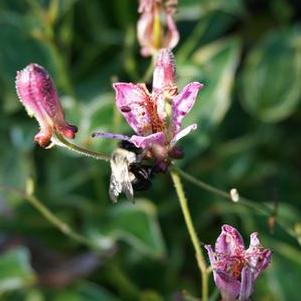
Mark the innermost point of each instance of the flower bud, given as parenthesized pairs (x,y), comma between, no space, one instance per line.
(156,27)
(164,78)
(38,94)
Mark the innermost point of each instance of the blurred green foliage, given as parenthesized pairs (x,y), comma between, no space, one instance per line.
(248,55)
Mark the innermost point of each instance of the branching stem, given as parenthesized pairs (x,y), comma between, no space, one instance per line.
(259,208)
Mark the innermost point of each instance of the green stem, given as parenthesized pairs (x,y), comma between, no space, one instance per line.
(61,141)
(192,233)
(51,217)
(261,209)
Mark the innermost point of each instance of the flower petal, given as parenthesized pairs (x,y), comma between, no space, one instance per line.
(229,242)
(183,103)
(258,257)
(132,101)
(183,133)
(145,33)
(172,36)
(211,255)
(228,286)
(110,136)
(148,141)
(246,285)
(165,71)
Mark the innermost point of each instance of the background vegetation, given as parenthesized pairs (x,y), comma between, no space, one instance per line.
(248,55)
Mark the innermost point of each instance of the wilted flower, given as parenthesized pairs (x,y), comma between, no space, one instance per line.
(235,268)
(156,117)
(38,94)
(156,28)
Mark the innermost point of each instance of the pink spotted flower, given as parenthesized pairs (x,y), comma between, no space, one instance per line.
(156,27)
(156,116)
(235,268)
(38,94)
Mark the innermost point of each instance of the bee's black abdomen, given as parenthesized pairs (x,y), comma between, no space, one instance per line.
(143,176)
(129,146)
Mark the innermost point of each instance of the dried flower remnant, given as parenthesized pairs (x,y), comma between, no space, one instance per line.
(156,27)
(236,268)
(38,94)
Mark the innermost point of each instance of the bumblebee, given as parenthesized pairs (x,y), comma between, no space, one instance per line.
(128,173)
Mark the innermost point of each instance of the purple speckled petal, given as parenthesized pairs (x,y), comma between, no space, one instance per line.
(172,36)
(165,71)
(258,257)
(183,103)
(229,242)
(211,255)
(183,133)
(148,141)
(132,100)
(228,286)
(234,268)
(246,285)
(110,136)
(164,85)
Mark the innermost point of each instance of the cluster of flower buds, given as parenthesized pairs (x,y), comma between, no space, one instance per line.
(236,268)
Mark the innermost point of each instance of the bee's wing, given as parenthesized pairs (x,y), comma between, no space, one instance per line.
(120,177)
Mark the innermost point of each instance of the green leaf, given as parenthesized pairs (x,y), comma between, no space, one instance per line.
(135,224)
(15,270)
(218,62)
(18,42)
(85,292)
(191,9)
(271,86)
(214,65)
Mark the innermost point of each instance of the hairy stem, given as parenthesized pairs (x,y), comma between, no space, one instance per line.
(192,233)
(61,141)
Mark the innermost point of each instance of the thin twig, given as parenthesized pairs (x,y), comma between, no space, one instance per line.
(50,217)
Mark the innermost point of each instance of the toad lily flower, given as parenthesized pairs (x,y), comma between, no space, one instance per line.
(38,94)
(156,116)
(150,27)
(235,268)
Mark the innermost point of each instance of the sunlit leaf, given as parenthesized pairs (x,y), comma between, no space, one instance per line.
(191,9)
(135,224)
(270,88)
(214,65)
